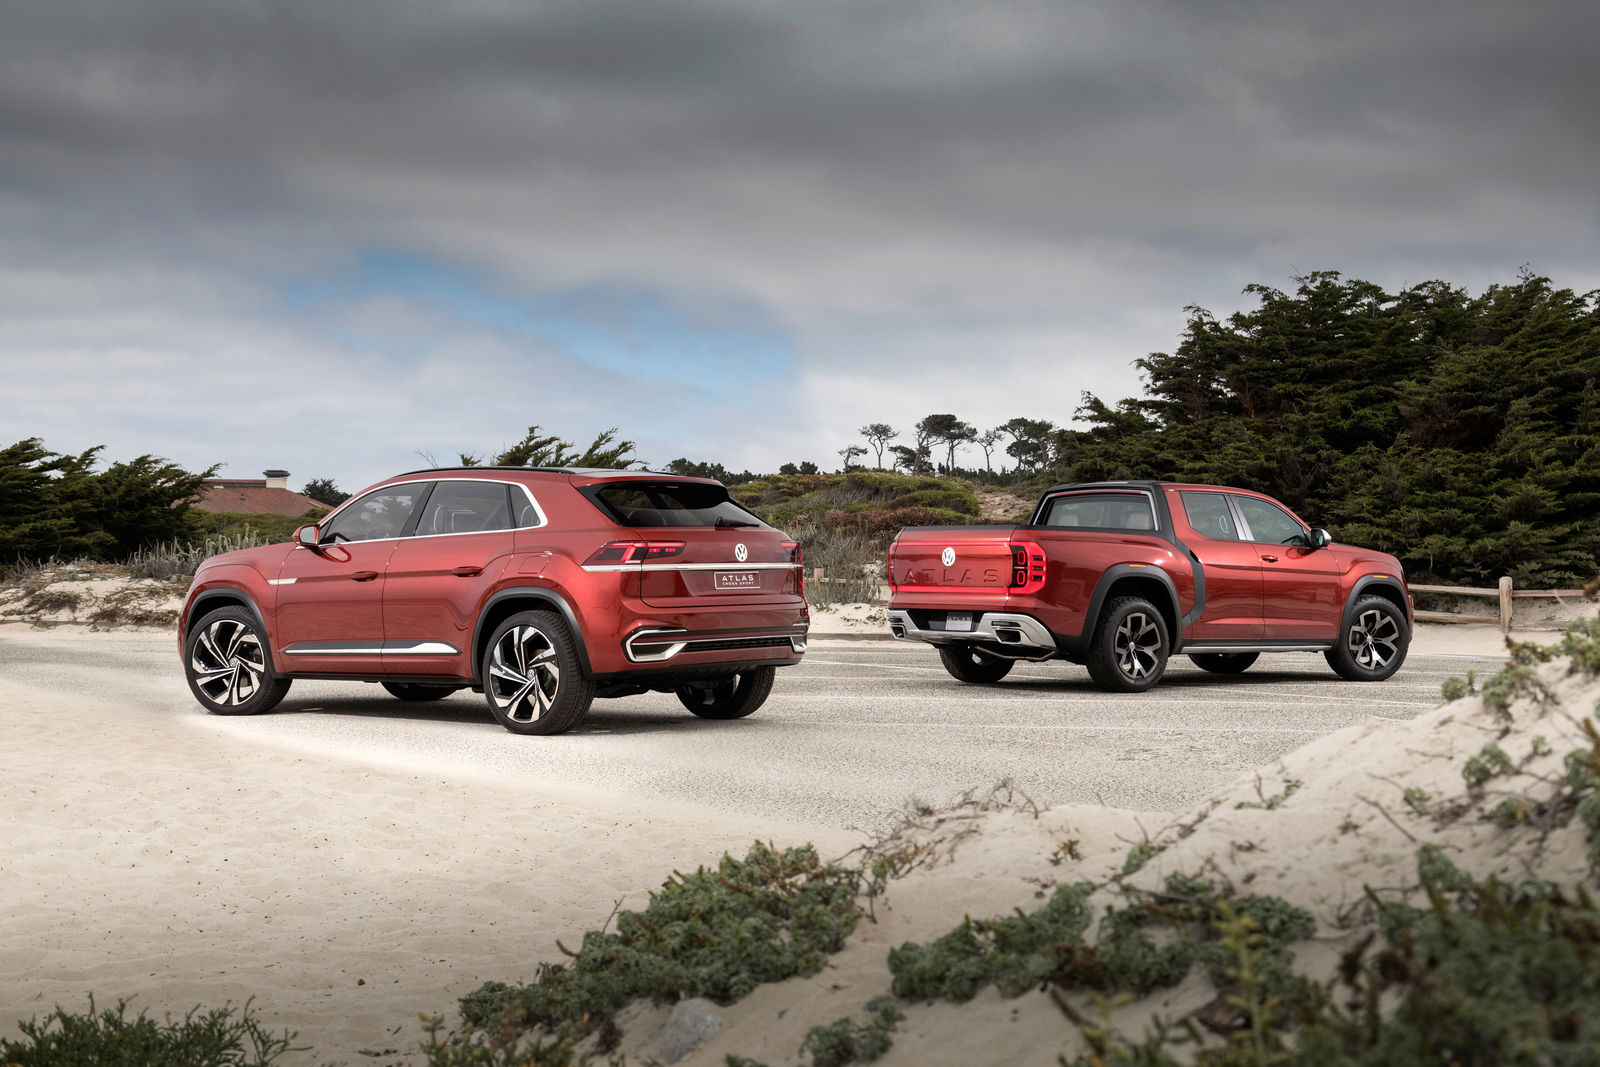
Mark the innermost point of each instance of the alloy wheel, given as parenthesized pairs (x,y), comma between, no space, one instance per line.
(523,674)
(228,663)
(1137,646)
(1374,640)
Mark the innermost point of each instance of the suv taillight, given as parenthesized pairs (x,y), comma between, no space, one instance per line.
(793,548)
(635,552)
(1027,568)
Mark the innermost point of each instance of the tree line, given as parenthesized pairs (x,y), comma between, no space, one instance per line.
(1459,432)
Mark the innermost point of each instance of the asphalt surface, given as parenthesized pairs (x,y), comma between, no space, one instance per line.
(845,739)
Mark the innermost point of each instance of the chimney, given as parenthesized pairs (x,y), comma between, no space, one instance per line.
(277,479)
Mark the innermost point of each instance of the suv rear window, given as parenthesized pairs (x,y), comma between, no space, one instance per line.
(668,504)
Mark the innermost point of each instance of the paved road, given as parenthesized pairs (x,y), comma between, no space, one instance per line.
(845,738)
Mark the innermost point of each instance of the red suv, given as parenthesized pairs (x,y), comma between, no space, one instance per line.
(542,588)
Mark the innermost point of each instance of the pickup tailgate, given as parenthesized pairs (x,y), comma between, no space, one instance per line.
(955,560)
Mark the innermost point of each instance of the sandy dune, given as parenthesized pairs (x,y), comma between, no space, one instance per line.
(158,855)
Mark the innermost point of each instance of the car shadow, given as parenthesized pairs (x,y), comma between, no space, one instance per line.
(605,717)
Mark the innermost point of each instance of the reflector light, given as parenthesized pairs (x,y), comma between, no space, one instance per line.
(635,552)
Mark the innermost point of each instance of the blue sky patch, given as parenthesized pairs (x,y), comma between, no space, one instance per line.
(631,330)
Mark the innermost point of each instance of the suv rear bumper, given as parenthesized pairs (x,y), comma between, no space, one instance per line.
(1003,629)
(660,644)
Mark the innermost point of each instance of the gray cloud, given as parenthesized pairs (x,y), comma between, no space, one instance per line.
(908,191)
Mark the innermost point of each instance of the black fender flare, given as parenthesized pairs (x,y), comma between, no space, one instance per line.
(543,595)
(197,607)
(1102,589)
(1366,584)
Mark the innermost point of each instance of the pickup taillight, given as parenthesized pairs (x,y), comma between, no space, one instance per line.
(1027,568)
(892,586)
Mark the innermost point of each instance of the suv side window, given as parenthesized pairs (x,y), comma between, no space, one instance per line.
(1208,515)
(1269,523)
(378,515)
(466,506)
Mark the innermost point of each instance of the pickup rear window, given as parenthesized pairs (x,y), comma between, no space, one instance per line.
(1101,511)
(668,504)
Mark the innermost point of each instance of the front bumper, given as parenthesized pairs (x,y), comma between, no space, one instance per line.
(1005,630)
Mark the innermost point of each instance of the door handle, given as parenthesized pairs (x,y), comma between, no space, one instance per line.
(466,571)
(1269,559)
(363,576)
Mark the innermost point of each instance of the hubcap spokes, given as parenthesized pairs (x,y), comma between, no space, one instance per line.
(1137,645)
(228,663)
(1374,640)
(523,675)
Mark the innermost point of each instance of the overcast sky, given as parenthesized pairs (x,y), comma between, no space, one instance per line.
(324,236)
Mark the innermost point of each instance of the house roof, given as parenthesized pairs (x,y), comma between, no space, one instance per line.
(245,497)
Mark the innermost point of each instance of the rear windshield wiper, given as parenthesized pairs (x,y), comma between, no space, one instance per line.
(734,522)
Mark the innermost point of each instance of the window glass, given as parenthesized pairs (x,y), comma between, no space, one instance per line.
(466,507)
(668,504)
(1105,511)
(377,515)
(1208,515)
(1270,524)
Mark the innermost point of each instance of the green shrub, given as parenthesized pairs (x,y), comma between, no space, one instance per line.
(1490,761)
(714,933)
(847,1041)
(215,1038)
(1151,943)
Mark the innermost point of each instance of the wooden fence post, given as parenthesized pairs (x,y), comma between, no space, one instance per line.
(1505,604)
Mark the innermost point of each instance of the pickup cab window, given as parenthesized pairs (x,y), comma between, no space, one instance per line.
(1208,515)
(1270,524)
(1101,511)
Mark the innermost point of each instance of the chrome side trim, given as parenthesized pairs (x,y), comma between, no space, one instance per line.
(543,521)
(335,648)
(602,568)
(717,566)
(282,581)
(1004,629)
(372,648)
(420,648)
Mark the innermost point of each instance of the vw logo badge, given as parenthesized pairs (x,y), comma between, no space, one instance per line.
(948,557)
(741,553)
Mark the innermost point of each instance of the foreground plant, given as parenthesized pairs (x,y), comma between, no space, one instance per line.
(714,933)
(220,1037)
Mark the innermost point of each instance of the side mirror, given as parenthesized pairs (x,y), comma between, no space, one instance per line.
(1321,538)
(306,536)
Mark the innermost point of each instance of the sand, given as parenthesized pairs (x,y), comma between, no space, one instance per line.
(151,856)
(154,854)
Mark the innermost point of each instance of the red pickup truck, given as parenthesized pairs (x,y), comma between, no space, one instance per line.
(1118,576)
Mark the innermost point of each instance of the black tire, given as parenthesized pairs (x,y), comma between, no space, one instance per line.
(227,661)
(732,697)
(1130,647)
(1224,662)
(1374,645)
(533,680)
(416,692)
(968,664)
